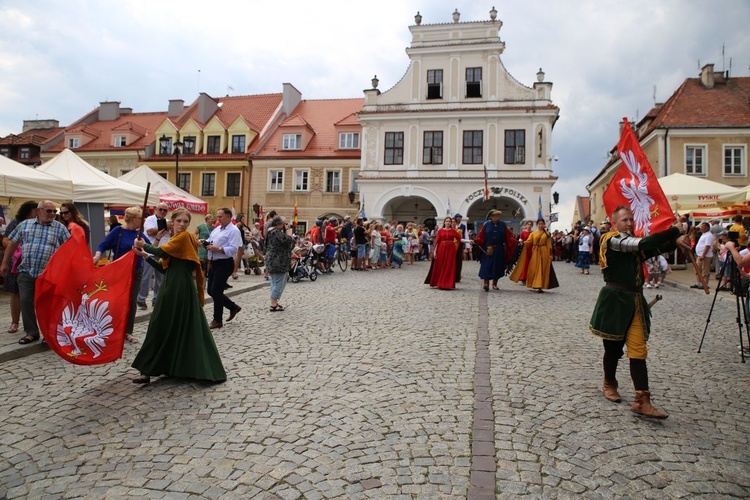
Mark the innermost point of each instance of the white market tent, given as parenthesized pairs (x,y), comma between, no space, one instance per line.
(686,193)
(91,185)
(170,194)
(20,181)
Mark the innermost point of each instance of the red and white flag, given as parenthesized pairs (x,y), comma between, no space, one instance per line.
(82,310)
(486,184)
(635,185)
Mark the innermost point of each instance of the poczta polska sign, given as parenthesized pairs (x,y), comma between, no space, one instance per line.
(497,191)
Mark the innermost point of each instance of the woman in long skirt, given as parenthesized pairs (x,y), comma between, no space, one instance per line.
(178,341)
(443,268)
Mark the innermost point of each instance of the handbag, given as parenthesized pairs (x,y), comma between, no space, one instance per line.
(249,251)
(490,249)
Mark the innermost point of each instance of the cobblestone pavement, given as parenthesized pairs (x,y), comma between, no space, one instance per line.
(372,385)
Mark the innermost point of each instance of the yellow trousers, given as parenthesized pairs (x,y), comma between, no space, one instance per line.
(634,340)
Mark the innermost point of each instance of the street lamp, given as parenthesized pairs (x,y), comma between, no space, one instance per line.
(178,149)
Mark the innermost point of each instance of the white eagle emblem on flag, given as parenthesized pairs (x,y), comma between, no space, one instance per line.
(635,190)
(90,323)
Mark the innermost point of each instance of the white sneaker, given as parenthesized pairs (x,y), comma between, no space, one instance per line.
(648,285)
(656,285)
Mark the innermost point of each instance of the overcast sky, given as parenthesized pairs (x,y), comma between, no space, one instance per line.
(605,57)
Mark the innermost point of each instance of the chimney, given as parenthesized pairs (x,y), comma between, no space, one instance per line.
(207,106)
(109,111)
(176,106)
(291,97)
(707,76)
(39,124)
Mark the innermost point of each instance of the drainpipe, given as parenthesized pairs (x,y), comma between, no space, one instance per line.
(666,152)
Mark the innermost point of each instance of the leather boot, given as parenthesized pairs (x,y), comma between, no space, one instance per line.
(642,406)
(610,391)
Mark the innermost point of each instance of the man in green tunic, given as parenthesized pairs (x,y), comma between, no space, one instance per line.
(621,316)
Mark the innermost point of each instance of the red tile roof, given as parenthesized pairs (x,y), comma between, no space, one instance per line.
(256,110)
(295,121)
(322,116)
(139,123)
(693,105)
(34,137)
(726,105)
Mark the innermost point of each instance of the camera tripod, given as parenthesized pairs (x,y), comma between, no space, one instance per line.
(740,292)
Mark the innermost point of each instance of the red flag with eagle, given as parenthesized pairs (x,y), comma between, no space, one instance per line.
(82,310)
(635,185)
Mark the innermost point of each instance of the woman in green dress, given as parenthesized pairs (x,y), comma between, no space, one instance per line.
(178,342)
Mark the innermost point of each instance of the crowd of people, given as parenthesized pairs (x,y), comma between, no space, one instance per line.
(173,264)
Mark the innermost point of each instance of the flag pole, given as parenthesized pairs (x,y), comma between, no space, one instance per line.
(699,273)
(145,207)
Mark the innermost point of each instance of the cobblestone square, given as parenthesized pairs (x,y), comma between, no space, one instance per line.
(372,385)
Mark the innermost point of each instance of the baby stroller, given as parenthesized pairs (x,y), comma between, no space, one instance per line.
(253,257)
(302,266)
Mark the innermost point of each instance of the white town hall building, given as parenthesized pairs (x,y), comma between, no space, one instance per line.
(457,110)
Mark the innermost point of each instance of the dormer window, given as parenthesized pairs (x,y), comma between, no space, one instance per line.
(73,142)
(292,141)
(165,146)
(238,144)
(213,145)
(473,82)
(434,84)
(24,154)
(349,140)
(120,141)
(5,152)
(188,145)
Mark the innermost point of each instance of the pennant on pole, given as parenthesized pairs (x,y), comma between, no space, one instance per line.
(294,219)
(362,207)
(82,310)
(635,185)
(539,214)
(486,184)
(448,209)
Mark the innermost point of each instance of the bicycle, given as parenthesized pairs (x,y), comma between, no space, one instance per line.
(341,256)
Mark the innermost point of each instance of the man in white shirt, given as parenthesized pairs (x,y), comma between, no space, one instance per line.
(704,250)
(158,237)
(223,243)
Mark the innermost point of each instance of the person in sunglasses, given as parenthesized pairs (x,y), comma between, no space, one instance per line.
(40,238)
(157,229)
(69,213)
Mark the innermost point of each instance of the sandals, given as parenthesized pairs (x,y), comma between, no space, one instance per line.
(277,307)
(143,379)
(131,339)
(234,276)
(13,328)
(28,339)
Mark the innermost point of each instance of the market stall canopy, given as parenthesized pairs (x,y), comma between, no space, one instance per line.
(686,192)
(20,181)
(91,185)
(721,213)
(170,194)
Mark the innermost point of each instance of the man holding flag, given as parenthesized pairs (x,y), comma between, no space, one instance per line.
(621,316)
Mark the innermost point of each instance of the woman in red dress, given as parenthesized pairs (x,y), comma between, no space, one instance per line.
(522,267)
(447,242)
